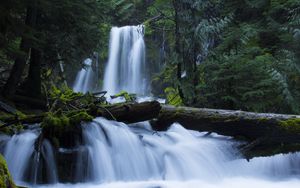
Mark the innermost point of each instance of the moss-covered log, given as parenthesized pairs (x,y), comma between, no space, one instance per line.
(266,134)
(128,112)
(277,132)
(124,112)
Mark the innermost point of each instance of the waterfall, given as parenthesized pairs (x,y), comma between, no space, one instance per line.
(125,69)
(120,153)
(113,152)
(29,162)
(84,78)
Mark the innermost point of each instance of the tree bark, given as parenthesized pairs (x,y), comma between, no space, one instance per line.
(127,112)
(275,132)
(15,76)
(226,122)
(262,133)
(177,47)
(34,83)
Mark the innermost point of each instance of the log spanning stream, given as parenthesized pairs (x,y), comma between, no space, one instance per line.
(114,154)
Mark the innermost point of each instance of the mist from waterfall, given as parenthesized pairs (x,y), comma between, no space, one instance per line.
(126,69)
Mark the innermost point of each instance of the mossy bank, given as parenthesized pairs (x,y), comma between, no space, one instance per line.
(5,178)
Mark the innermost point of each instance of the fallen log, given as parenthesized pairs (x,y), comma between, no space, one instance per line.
(277,132)
(128,112)
(265,134)
(125,112)
(7,108)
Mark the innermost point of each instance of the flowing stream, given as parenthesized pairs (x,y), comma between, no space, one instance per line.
(110,154)
(114,154)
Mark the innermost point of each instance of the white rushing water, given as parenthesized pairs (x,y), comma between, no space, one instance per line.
(26,161)
(84,78)
(116,155)
(125,68)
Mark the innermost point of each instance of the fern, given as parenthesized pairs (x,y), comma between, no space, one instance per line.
(284,87)
(211,27)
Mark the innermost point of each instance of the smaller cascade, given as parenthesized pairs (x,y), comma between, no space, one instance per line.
(30,161)
(84,78)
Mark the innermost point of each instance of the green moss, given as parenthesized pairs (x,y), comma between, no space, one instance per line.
(64,94)
(52,120)
(12,129)
(173,96)
(53,126)
(5,178)
(6,117)
(178,112)
(292,125)
(128,97)
(60,128)
(79,117)
(261,120)
(20,115)
(65,120)
(7,130)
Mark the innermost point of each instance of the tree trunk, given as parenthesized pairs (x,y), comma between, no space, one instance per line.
(61,69)
(34,83)
(15,76)
(228,122)
(262,133)
(125,112)
(275,132)
(129,112)
(177,47)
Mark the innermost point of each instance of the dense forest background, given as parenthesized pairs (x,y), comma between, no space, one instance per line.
(231,54)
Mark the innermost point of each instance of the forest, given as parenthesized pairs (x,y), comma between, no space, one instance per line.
(219,54)
(83,80)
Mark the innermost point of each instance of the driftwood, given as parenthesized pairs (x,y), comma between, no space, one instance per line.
(277,132)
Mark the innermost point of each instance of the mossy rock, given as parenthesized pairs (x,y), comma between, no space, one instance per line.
(64,130)
(5,178)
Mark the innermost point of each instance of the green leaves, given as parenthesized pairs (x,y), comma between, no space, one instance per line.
(208,28)
(173,97)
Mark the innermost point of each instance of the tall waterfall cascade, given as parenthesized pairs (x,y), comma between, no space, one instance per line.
(126,68)
(84,78)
